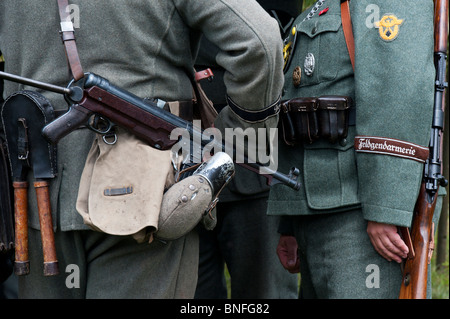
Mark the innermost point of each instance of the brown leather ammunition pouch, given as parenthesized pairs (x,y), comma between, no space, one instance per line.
(333,114)
(304,120)
(298,121)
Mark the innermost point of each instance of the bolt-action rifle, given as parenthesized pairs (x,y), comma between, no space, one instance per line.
(94,97)
(415,271)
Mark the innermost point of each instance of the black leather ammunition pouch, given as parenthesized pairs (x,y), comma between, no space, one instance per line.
(304,120)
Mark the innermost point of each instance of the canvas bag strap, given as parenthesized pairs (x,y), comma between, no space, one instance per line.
(68,38)
(348,32)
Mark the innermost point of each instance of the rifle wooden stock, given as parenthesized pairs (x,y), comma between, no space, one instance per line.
(440,25)
(415,273)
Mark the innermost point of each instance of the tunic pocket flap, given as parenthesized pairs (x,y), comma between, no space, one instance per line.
(328,23)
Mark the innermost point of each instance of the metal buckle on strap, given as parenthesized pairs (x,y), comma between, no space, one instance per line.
(67,26)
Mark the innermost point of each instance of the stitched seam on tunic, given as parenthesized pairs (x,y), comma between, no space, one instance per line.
(161,42)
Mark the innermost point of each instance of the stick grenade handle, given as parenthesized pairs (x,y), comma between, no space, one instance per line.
(21,263)
(47,235)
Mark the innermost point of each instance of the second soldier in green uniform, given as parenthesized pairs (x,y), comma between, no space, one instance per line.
(357,133)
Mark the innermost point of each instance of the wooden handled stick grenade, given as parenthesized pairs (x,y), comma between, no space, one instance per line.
(21,263)
(46,223)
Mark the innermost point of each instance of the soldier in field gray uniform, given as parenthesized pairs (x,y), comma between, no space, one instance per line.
(148,48)
(358,182)
(245,238)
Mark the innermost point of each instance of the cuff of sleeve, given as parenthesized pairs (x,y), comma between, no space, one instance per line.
(253,116)
(285,226)
(387,215)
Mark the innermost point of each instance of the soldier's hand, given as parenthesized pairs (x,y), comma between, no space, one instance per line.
(287,253)
(386,241)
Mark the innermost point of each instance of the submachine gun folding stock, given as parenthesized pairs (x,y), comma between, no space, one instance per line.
(94,96)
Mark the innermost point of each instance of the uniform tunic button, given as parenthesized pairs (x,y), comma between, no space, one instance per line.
(343,142)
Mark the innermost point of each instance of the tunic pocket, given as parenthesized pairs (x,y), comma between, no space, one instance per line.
(330,175)
(316,37)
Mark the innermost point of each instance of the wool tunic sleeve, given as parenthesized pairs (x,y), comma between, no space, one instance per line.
(394,85)
(249,49)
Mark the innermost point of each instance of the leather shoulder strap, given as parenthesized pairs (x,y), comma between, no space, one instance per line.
(68,38)
(348,32)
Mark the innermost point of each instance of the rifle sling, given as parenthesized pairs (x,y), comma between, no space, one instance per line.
(68,38)
(348,32)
